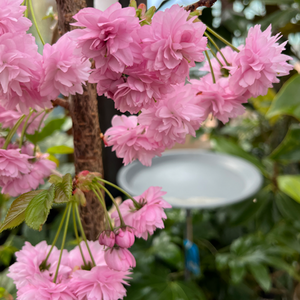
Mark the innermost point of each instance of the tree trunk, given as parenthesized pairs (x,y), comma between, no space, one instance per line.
(86,130)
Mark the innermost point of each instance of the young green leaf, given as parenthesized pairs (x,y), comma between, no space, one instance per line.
(16,213)
(60,150)
(39,207)
(290,185)
(63,189)
(55,179)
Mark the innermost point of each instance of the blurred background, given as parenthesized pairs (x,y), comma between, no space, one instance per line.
(250,250)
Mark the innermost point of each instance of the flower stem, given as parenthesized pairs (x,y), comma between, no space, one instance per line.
(57,234)
(102,201)
(215,56)
(222,39)
(216,46)
(35,23)
(121,190)
(38,114)
(114,202)
(35,142)
(210,66)
(26,11)
(77,237)
(24,128)
(13,131)
(83,234)
(63,242)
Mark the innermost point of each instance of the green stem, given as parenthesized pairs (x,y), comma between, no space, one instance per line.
(77,237)
(35,23)
(57,234)
(83,234)
(26,11)
(12,132)
(211,68)
(63,242)
(215,56)
(102,201)
(38,114)
(24,128)
(121,190)
(114,202)
(38,130)
(222,39)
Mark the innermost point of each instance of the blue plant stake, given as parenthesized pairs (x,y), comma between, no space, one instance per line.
(192,257)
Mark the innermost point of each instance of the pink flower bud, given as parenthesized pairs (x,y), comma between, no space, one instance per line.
(125,237)
(119,259)
(107,238)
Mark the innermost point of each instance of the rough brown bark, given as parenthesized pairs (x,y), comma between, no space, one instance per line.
(86,130)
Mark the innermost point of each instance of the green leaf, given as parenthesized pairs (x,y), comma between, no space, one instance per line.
(48,129)
(287,206)
(289,149)
(226,145)
(63,189)
(290,185)
(287,101)
(60,150)
(55,179)
(261,274)
(16,213)
(39,207)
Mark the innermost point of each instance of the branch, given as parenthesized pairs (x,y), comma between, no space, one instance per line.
(61,102)
(207,3)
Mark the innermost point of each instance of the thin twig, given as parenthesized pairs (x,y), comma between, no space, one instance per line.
(61,102)
(207,3)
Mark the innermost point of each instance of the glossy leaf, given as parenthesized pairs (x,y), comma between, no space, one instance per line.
(287,101)
(290,185)
(261,274)
(16,213)
(39,207)
(60,150)
(55,179)
(47,130)
(237,271)
(289,149)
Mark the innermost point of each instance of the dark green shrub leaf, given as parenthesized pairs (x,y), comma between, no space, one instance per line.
(261,275)
(290,185)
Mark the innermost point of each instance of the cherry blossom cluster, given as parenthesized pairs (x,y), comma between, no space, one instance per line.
(152,81)
(92,270)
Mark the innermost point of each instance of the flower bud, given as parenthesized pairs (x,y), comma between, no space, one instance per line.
(107,238)
(125,237)
(119,259)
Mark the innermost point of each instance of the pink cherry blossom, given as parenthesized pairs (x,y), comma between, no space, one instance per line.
(20,73)
(100,283)
(11,17)
(172,118)
(8,118)
(130,141)
(125,237)
(172,44)
(43,288)
(75,259)
(109,37)
(146,219)
(65,70)
(30,181)
(218,99)
(29,259)
(107,238)
(256,67)
(13,163)
(119,259)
